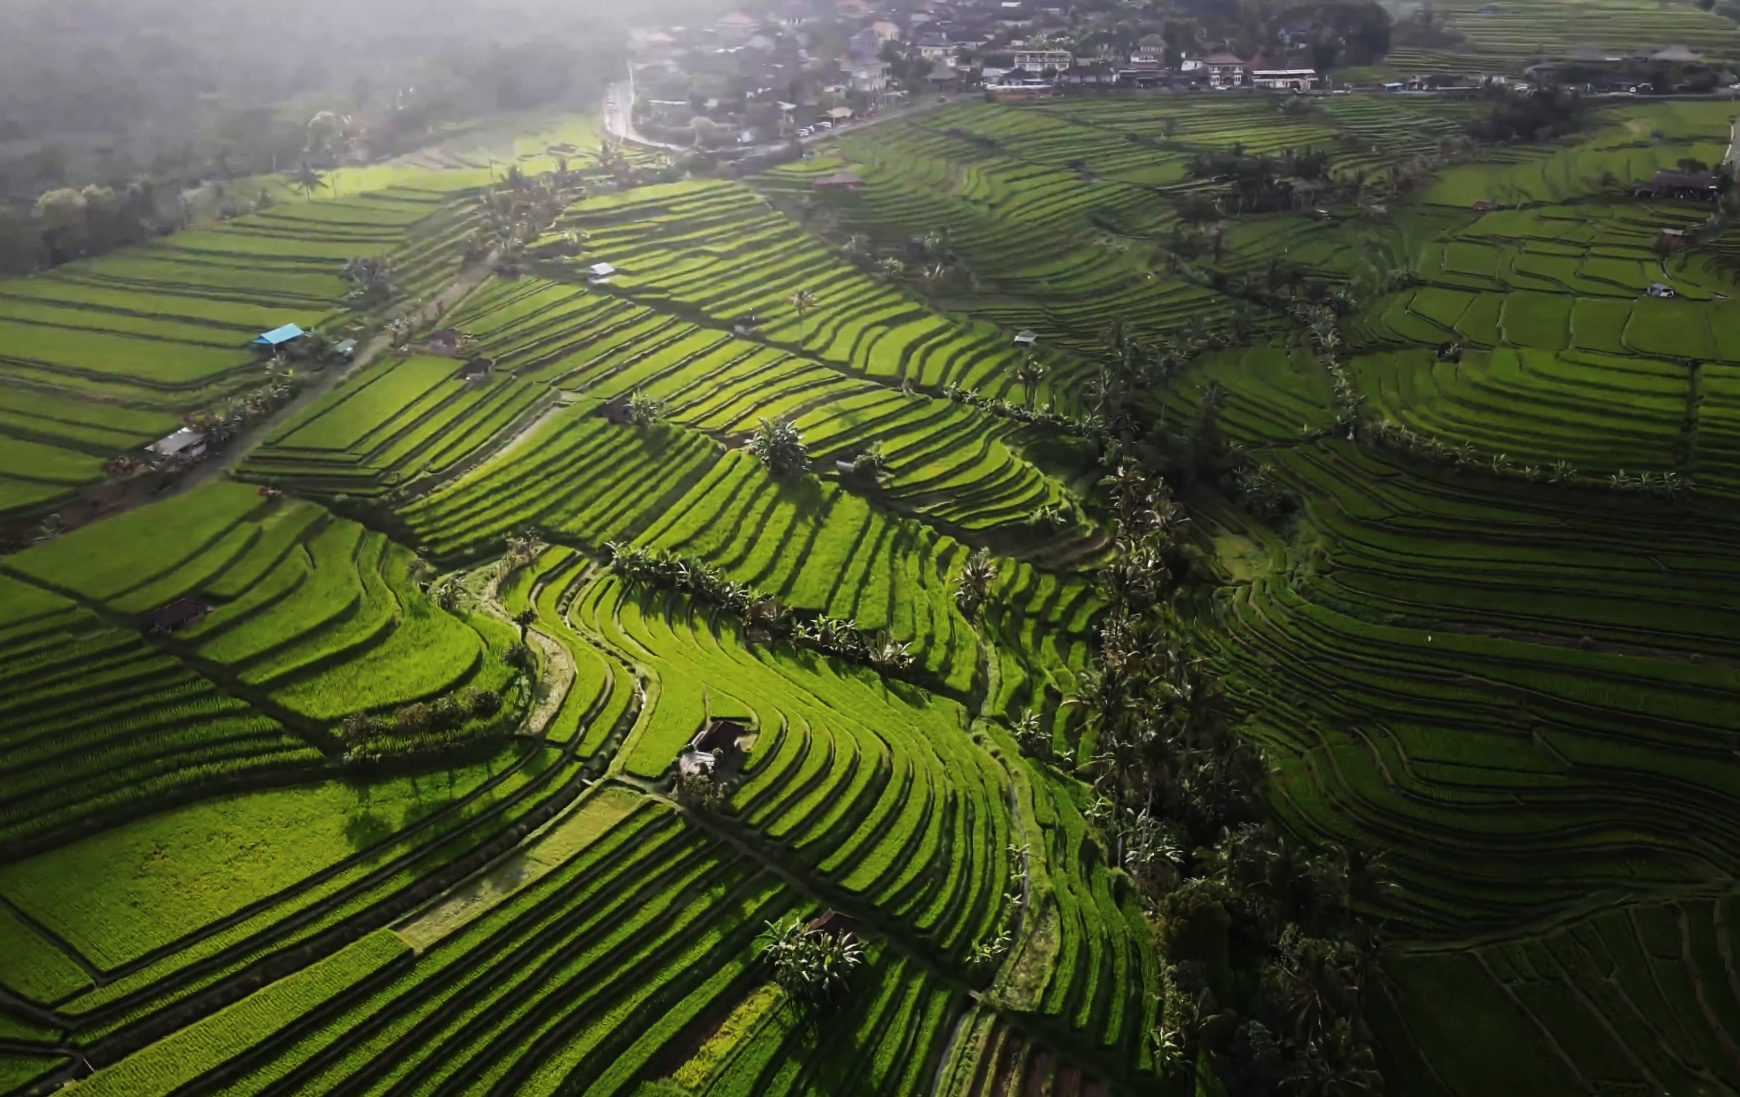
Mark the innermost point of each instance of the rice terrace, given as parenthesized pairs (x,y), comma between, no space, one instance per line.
(932,548)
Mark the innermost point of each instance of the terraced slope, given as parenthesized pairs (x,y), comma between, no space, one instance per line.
(1520,691)
(105,356)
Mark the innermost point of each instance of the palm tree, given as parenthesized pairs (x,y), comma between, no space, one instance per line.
(891,269)
(777,444)
(973,582)
(308,180)
(803,300)
(869,462)
(447,595)
(524,619)
(1031,736)
(812,966)
(1029,374)
(642,410)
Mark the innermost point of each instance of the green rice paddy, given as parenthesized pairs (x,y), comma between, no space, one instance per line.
(1521,692)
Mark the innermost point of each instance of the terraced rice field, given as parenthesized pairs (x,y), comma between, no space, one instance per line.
(1504,38)
(1522,693)
(104,356)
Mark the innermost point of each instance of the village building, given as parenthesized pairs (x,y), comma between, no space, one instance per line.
(615,411)
(1090,74)
(1037,61)
(1284,79)
(174,616)
(736,28)
(1224,70)
(716,748)
(1686,185)
(186,444)
(599,274)
(1026,339)
(835,924)
(447,341)
(277,338)
(937,47)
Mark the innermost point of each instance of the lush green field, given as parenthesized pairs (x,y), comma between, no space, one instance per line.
(104,356)
(1473,646)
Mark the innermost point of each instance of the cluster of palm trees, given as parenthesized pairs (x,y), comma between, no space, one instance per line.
(450,721)
(222,423)
(515,211)
(777,444)
(812,965)
(1322,326)
(1267,956)
(1008,409)
(988,954)
(935,266)
(1396,436)
(519,550)
(642,410)
(757,611)
(370,281)
(1254,183)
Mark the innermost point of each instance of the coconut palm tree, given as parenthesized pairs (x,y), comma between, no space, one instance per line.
(1031,736)
(869,461)
(803,300)
(1029,374)
(973,582)
(811,966)
(308,180)
(777,444)
(447,595)
(642,410)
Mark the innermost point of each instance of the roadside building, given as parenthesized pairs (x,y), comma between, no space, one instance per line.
(277,338)
(1089,74)
(835,924)
(1224,70)
(736,28)
(185,444)
(1284,79)
(174,616)
(1685,185)
(1037,61)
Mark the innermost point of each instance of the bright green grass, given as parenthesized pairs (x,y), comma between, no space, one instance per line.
(191,865)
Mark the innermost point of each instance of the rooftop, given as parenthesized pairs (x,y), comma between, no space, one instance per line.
(279,336)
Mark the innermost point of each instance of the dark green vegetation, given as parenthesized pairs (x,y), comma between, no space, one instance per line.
(1430,504)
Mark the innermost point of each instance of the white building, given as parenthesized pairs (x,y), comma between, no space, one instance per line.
(1284,79)
(1040,60)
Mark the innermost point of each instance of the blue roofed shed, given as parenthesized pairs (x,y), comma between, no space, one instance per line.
(277,337)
